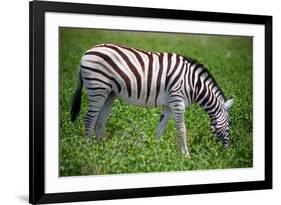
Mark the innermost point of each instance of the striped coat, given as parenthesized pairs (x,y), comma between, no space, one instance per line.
(148,79)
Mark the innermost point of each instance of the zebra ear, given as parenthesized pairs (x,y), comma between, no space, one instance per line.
(229,103)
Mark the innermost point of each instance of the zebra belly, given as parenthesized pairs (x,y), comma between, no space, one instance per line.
(161,100)
(140,96)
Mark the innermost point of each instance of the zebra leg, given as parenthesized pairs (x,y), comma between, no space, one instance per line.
(182,133)
(104,113)
(96,102)
(164,118)
(178,112)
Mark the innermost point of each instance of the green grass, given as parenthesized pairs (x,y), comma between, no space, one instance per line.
(130,145)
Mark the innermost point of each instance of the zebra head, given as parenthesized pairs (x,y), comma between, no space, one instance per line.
(220,124)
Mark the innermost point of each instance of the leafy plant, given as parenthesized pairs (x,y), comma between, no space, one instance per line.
(130,145)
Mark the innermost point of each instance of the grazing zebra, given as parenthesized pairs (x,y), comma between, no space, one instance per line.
(148,79)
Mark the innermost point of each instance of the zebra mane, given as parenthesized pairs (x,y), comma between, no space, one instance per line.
(194,61)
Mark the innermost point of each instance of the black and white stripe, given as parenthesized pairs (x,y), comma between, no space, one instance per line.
(148,79)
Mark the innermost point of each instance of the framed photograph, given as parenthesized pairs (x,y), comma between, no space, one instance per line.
(141,102)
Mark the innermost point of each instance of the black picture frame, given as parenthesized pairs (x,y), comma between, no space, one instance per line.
(37,192)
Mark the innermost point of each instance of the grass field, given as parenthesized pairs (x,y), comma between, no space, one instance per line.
(130,145)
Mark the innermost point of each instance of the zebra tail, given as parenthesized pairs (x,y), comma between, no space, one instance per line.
(76,100)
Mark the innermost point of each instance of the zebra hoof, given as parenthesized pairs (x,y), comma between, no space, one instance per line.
(100,138)
(158,139)
(225,146)
(187,156)
(89,139)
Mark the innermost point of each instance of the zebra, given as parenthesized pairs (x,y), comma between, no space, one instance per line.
(148,79)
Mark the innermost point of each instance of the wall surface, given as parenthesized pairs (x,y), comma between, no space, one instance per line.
(14,44)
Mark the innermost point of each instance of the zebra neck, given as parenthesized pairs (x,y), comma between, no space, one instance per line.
(212,102)
(215,111)
(207,93)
